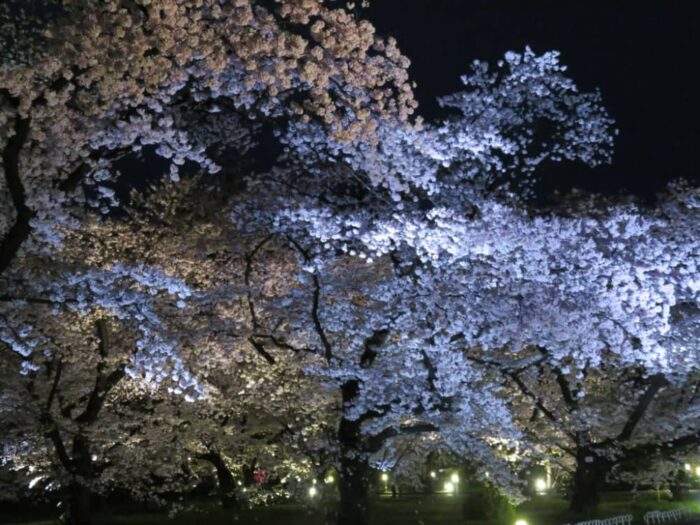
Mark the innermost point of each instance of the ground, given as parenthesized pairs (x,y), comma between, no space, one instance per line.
(423,510)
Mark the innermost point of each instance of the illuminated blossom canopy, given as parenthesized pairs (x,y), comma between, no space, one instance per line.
(372,282)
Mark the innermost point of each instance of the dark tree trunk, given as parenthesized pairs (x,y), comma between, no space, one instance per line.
(79,504)
(353,475)
(679,486)
(227,485)
(79,509)
(353,485)
(591,471)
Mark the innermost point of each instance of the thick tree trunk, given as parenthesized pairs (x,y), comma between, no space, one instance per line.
(353,485)
(588,479)
(79,504)
(353,475)
(79,497)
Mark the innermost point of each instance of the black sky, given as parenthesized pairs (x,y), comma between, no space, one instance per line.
(642,55)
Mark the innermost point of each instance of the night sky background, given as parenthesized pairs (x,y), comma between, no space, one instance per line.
(643,55)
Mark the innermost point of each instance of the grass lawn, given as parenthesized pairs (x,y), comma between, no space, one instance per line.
(417,510)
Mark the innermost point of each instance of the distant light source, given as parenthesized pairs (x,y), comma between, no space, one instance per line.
(454,478)
(432,474)
(385,476)
(312,492)
(330,479)
(34,481)
(687,467)
(540,485)
(449,487)
(697,470)
(520,522)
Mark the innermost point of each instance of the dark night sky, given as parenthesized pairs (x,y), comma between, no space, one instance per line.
(642,54)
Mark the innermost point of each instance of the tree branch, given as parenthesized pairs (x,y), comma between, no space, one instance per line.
(20,230)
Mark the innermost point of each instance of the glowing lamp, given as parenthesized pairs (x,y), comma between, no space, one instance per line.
(520,522)
(454,478)
(385,476)
(312,492)
(449,487)
(540,485)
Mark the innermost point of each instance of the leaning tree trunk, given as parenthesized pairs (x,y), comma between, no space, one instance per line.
(224,478)
(353,476)
(591,471)
(227,485)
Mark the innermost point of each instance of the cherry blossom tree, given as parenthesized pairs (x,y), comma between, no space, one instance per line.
(87,82)
(600,422)
(379,271)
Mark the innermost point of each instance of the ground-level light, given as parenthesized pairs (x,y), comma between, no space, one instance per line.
(449,487)
(520,522)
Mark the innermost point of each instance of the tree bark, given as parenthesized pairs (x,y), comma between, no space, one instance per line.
(79,504)
(20,230)
(79,507)
(353,474)
(224,477)
(591,471)
(353,485)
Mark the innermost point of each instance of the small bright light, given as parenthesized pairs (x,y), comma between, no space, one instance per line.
(314,482)
(432,474)
(94,457)
(697,470)
(449,487)
(330,479)
(487,474)
(540,485)
(454,478)
(385,477)
(520,522)
(312,492)
(687,467)
(34,481)
(240,483)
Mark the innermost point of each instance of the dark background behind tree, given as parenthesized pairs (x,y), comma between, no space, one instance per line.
(640,54)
